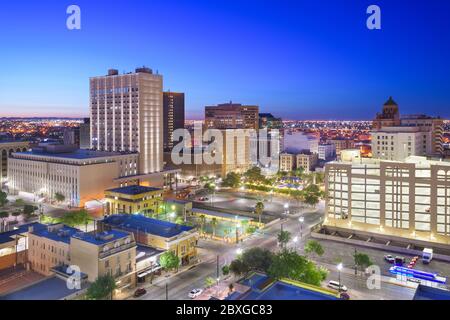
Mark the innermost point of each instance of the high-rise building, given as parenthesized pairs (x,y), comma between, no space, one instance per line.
(85,134)
(429,124)
(127,115)
(174,115)
(232,116)
(7,148)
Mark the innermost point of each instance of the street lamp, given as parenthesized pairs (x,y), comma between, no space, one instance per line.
(340,267)
(239,251)
(295,241)
(301,220)
(286,208)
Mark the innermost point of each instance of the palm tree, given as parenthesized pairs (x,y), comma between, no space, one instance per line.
(4,215)
(283,238)
(214,224)
(259,208)
(202,222)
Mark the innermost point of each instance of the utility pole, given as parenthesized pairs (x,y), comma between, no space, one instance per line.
(167,291)
(218,273)
(356,268)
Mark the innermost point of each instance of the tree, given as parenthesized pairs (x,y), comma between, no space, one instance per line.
(3,198)
(209,282)
(362,260)
(257,259)
(169,261)
(254,175)
(283,238)
(238,268)
(214,223)
(315,247)
(102,289)
(16,214)
(232,180)
(289,264)
(4,215)
(312,195)
(226,270)
(77,218)
(59,197)
(259,209)
(202,223)
(28,210)
(19,202)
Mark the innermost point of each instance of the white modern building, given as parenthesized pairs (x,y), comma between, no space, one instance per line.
(327,151)
(127,116)
(408,199)
(79,175)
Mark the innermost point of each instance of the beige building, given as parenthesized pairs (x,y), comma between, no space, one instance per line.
(127,116)
(287,162)
(428,124)
(342,144)
(408,199)
(96,254)
(235,151)
(398,143)
(80,175)
(232,116)
(7,148)
(307,161)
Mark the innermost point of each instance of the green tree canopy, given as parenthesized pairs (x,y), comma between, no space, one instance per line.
(283,238)
(257,259)
(289,264)
(226,270)
(209,282)
(315,247)
(59,197)
(102,289)
(254,175)
(77,218)
(4,215)
(169,261)
(362,260)
(3,198)
(238,268)
(232,180)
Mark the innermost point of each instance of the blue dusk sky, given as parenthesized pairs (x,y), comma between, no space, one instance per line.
(298,59)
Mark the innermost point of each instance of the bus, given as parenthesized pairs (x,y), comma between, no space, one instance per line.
(422,276)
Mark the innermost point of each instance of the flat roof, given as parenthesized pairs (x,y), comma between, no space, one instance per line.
(8,235)
(101,238)
(62,234)
(80,154)
(50,289)
(134,190)
(140,223)
(428,293)
(144,252)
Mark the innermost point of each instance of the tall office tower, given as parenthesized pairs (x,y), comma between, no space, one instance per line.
(127,115)
(173,116)
(232,116)
(85,134)
(390,116)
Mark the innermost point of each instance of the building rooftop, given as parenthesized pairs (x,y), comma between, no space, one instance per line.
(390,102)
(8,235)
(55,233)
(101,238)
(144,252)
(143,224)
(80,154)
(50,289)
(134,190)
(428,293)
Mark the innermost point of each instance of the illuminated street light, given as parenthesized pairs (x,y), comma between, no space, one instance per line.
(239,251)
(340,267)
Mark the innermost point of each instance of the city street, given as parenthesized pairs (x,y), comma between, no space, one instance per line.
(180,285)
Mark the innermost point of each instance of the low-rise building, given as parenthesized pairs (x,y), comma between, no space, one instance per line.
(287,162)
(79,175)
(342,144)
(133,199)
(163,235)
(307,161)
(96,254)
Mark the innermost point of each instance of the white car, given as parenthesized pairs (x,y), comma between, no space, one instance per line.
(195,293)
(335,285)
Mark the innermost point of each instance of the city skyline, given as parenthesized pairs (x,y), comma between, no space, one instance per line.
(282,57)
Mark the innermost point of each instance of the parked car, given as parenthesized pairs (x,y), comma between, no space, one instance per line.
(335,285)
(400,260)
(389,258)
(140,292)
(195,293)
